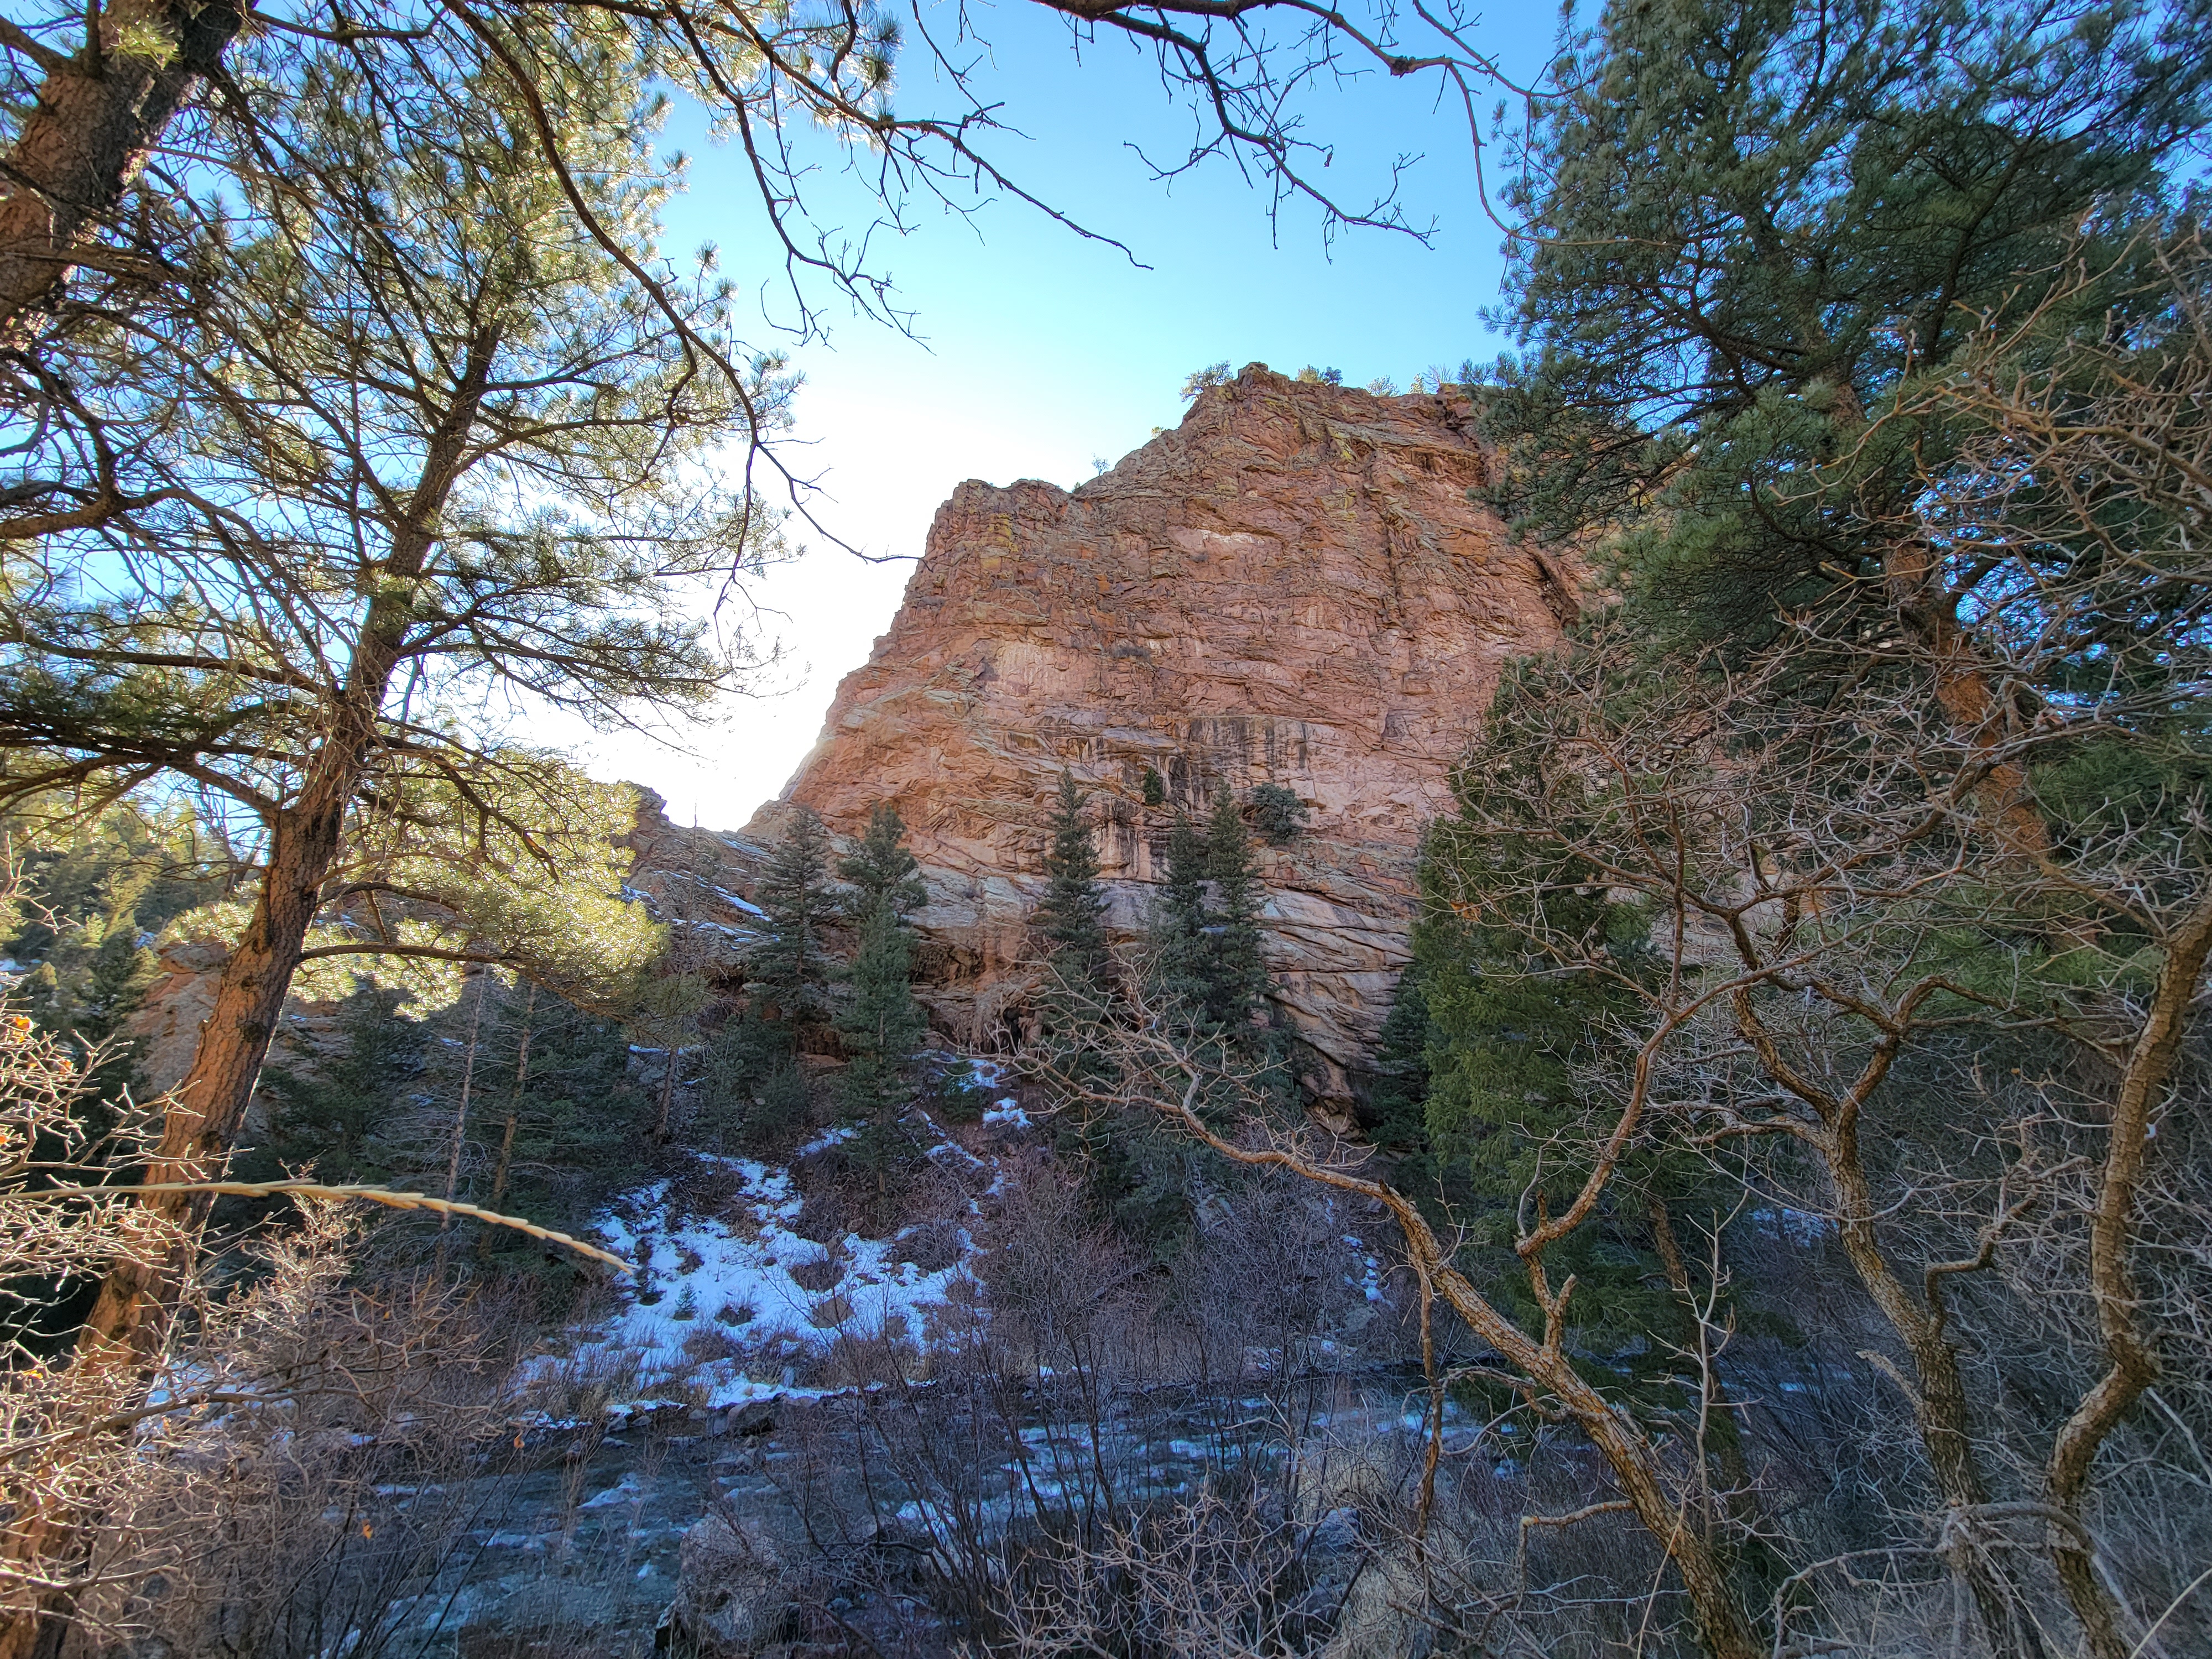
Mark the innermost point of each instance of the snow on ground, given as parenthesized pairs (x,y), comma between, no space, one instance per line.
(719,1304)
(720,1309)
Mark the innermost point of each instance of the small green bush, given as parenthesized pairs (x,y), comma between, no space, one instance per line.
(1277,813)
(955,1096)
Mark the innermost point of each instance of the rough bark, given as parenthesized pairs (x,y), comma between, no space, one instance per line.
(1972,705)
(129,1323)
(305,837)
(97,118)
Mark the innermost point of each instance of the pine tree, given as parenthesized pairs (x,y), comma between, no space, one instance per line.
(1181,968)
(755,1091)
(438,438)
(334,1108)
(755,1088)
(882,870)
(563,1123)
(1236,977)
(1746,249)
(1508,1113)
(665,1013)
(1396,1118)
(790,966)
(881,1027)
(1071,915)
(1070,919)
(90,896)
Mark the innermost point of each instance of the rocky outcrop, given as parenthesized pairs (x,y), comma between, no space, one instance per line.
(1292,587)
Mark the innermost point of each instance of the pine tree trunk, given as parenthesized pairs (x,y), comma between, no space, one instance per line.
(210,1102)
(95,122)
(461,1119)
(1965,695)
(129,1323)
(513,1117)
(667,1095)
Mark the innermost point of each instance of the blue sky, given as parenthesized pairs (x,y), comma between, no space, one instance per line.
(1036,352)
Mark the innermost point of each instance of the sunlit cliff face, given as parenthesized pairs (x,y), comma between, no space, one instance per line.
(1292,587)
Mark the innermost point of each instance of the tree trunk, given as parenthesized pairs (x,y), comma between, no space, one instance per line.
(513,1117)
(1963,692)
(667,1093)
(210,1102)
(2131,1361)
(129,1323)
(1636,1465)
(1939,1407)
(95,121)
(461,1118)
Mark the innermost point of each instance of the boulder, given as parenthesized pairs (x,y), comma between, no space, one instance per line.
(733,1594)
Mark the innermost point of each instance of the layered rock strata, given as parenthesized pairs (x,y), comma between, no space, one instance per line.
(1292,587)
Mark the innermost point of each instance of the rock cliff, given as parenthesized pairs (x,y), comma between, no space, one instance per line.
(1292,587)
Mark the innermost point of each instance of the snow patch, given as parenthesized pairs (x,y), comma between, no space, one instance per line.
(717,1303)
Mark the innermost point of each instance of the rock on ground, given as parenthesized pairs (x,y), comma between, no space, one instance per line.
(732,1594)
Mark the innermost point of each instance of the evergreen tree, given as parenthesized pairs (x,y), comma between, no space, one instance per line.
(1071,915)
(90,897)
(1750,251)
(755,1091)
(1180,967)
(334,1108)
(1509,1115)
(437,441)
(755,1087)
(790,967)
(1236,976)
(1396,1117)
(559,1133)
(1205,970)
(882,870)
(1278,813)
(664,1013)
(881,1025)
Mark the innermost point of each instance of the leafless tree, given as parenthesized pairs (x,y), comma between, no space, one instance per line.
(123,99)
(1154,1066)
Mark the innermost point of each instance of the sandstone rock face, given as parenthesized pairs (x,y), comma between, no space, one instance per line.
(1290,587)
(166,1025)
